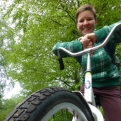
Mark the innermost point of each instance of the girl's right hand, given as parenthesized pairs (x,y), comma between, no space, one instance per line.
(88,40)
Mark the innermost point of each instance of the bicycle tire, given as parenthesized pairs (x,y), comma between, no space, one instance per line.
(41,105)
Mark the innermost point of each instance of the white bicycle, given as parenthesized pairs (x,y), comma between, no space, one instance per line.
(59,104)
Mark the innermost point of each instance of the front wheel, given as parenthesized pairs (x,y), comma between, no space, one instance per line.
(52,104)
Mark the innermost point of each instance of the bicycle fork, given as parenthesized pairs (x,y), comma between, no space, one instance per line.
(88,92)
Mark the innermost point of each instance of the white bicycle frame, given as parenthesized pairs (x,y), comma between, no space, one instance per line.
(88,92)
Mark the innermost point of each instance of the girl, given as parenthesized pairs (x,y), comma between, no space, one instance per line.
(105,79)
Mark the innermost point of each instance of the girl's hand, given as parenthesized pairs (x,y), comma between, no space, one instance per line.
(88,40)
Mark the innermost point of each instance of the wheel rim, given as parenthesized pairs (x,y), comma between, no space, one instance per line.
(67,109)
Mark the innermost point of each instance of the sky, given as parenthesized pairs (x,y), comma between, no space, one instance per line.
(13,92)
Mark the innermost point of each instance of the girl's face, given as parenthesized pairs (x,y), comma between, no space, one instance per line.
(86,22)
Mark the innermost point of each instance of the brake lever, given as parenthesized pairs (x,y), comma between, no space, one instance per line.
(61,63)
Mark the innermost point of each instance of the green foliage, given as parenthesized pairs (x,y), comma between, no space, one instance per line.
(8,105)
(38,26)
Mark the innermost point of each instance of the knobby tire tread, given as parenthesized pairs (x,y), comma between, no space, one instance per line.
(29,108)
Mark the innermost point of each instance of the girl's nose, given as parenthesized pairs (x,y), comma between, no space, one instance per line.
(85,22)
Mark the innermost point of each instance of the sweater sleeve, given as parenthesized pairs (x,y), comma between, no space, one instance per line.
(73,46)
(103,33)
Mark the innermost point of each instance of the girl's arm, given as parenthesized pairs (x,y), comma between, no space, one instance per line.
(73,46)
(101,34)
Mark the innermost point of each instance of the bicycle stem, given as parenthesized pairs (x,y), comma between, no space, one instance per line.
(88,62)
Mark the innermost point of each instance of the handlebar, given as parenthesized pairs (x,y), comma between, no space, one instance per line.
(86,50)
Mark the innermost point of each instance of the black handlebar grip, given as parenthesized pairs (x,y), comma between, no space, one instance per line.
(61,63)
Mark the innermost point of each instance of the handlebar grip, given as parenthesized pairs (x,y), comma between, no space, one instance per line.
(61,63)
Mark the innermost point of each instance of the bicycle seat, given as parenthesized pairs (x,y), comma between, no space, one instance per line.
(97,100)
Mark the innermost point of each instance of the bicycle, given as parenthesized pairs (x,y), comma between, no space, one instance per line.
(55,102)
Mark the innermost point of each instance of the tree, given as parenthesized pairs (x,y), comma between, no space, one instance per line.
(38,26)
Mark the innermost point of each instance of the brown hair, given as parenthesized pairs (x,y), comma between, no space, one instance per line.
(86,7)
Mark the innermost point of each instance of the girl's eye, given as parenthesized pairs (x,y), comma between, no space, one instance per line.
(88,19)
(81,21)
